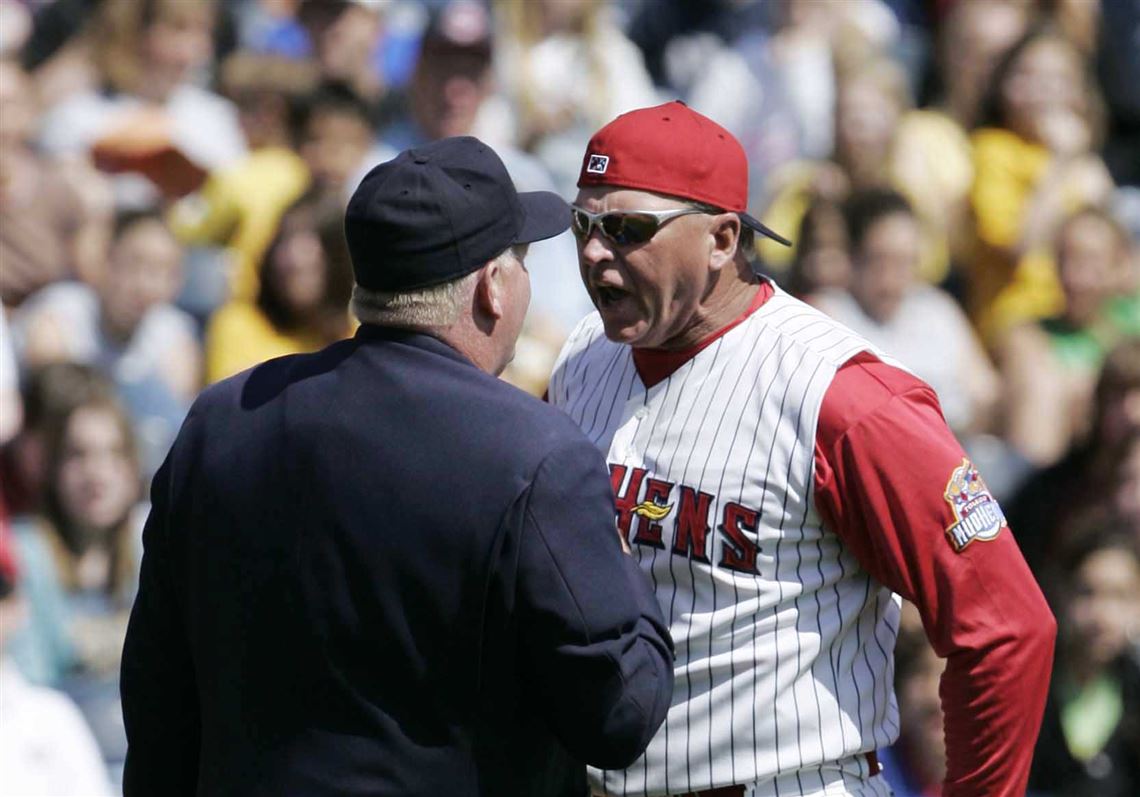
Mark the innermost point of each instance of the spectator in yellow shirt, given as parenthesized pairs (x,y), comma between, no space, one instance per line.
(931,161)
(872,100)
(240,207)
(302,302)
(1034,161)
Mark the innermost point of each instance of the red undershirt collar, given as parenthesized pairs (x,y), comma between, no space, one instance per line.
(656,365)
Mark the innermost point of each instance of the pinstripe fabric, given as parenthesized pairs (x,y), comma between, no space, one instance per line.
(784,644)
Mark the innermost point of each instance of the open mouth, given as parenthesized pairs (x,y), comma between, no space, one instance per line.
(609,295)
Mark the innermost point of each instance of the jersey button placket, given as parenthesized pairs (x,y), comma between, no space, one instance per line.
(623,440)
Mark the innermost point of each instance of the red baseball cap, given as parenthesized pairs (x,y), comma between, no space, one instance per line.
(671,149)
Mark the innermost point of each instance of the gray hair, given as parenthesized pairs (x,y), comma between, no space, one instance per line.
(434,306)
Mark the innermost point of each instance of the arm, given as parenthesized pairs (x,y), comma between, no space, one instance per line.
(159,694)
(884,463)
(1021,190)
(11,403)
(1036,407)
(74,759)
(181,367)
(593,643)
(208,217)
(237,337)
(92,213)
(1008,174)
(980,377)
(45,336)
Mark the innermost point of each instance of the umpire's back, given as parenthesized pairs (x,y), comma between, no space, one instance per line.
(378,570)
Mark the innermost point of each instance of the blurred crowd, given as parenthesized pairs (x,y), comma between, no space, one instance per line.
(961,179)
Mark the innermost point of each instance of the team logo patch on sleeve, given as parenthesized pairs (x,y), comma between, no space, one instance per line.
(978,516)
(598,164)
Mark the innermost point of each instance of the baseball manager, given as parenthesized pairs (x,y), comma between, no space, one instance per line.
(780,482)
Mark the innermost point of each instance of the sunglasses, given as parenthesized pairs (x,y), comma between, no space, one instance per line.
(623,227)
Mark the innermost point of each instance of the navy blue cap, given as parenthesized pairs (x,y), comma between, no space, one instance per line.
(438,212)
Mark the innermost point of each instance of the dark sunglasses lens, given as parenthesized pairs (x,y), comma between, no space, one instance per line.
(630,228)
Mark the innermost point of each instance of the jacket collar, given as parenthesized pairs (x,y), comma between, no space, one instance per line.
(409,337)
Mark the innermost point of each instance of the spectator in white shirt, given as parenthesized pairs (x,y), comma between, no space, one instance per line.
(150,123)
(920,325)
(46,747)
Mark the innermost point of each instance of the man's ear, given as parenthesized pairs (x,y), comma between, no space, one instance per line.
(724,239)
(489,290)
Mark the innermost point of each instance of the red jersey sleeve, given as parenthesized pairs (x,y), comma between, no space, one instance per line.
(893,482)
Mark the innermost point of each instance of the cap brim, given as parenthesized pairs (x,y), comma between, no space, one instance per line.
(545,215)
(763,229)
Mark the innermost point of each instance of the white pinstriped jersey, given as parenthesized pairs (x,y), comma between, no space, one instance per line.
(784,643)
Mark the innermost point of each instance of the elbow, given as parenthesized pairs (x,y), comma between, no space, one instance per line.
(633,721)
(1042,625)
(1036,642)
(1046,631)
(1036,634)
(620,732)
(625,738)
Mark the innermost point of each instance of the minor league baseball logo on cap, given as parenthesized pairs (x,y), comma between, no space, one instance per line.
(598,164)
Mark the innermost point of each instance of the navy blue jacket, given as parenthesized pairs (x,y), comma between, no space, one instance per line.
(377,570)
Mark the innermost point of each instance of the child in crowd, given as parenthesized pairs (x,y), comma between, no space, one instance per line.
(80,558)
(80,553)
(338,140)
(49,393)
(126,327)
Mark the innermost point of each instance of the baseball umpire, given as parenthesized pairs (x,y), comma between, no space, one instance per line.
(779,479)
(379,570)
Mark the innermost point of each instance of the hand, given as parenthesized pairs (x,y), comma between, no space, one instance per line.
(1064,132)
(830,182)
(1088,177)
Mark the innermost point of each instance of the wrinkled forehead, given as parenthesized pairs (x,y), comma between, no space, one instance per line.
(598,198)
